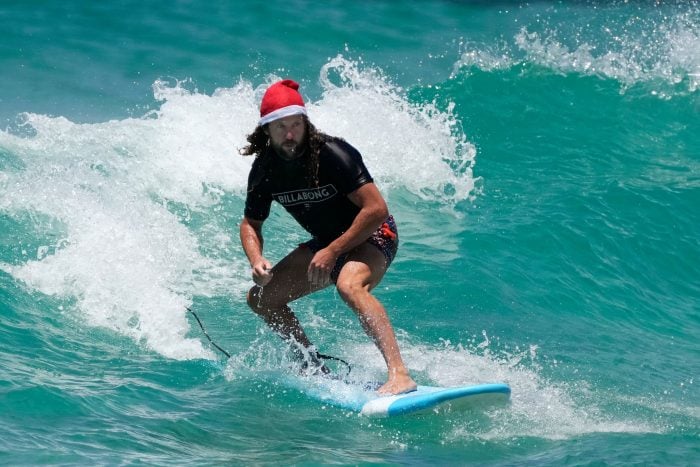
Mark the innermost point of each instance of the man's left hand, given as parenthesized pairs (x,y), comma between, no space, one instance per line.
(320,267)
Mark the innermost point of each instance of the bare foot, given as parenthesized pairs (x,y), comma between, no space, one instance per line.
(398,383)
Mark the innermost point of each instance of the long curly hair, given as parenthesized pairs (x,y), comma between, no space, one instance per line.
(259,144)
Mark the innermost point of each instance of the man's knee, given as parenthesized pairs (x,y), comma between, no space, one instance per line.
(350,290)
(264,301)
(254,299)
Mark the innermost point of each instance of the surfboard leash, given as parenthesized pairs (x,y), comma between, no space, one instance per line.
(205,332)
(330,357)
(228,355)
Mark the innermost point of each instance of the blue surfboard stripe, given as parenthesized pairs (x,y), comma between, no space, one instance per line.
(421,401)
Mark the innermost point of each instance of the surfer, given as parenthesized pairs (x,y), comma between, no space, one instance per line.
(323,183)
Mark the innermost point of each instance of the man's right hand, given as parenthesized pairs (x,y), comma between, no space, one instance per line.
(262,274)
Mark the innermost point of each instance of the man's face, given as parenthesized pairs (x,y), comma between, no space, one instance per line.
(287,136)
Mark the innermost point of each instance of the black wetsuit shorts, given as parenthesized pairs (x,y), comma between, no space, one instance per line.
(385,238)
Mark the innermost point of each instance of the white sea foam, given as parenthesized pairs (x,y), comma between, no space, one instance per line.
(672,56)
(539,408)
(661,52)
(412,145)
(134,205)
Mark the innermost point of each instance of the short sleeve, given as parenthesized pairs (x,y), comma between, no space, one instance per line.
(348,167)
(258,199)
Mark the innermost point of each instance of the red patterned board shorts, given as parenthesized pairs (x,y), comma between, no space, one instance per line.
(385,238)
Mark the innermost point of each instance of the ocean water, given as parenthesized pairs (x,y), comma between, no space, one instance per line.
(542,160)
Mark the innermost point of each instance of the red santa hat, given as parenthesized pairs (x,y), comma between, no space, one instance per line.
(281,99)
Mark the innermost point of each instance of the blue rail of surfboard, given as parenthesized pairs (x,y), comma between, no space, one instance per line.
(423,401)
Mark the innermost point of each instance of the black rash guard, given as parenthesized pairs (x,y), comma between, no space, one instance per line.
(324,211)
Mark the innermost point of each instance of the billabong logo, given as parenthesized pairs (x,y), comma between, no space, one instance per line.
(309,195)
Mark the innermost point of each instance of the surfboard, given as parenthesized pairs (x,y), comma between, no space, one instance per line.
(428,398)
(423,400)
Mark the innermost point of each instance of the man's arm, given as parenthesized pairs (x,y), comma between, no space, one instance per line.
(373,211)
(252,242)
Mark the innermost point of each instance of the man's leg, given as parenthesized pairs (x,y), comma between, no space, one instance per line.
(365,268)
(289,282)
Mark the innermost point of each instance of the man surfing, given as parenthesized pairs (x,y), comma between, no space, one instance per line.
(323,183)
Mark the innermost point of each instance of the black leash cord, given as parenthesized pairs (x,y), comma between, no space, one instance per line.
(329,357)
(205,332)
(228,355)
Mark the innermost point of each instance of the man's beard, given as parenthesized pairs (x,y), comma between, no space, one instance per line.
(289,151)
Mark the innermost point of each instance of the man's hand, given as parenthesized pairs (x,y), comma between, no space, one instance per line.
(261,272)
(320,267)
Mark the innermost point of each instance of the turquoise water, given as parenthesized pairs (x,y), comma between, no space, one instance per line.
(542,161)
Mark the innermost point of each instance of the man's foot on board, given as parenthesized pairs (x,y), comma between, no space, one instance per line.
(397,384)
